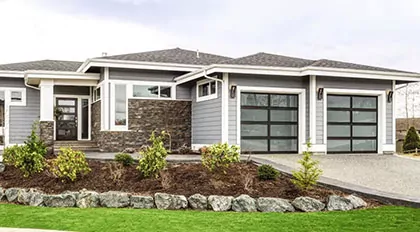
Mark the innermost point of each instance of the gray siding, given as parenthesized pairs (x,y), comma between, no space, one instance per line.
(22,117)
(72,90)
(206,118)
(351,83)
(183,92)
(143,75)
(263,81)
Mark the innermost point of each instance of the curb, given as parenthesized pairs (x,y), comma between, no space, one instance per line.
(384,197)
(406,157)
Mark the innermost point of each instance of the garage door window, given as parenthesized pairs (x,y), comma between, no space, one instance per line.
(269,123)
(352,124)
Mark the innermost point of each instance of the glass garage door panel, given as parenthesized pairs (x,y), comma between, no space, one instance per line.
(352,124)
(269,123)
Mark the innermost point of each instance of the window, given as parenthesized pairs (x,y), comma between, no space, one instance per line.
(152,91)
(206,90)
(120,105)
(96,94)
(18,97)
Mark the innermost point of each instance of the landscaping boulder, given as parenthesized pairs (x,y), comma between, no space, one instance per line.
(308,204)
(142,202)
(87,199)
(36,199)
(25,195)
(2,195)
(114,199)
(337,203)
(244,203)
(168,201)
(271,204)
(60,200)
(220,203)
(12,194)
(2,167)
(356,201)
(198,201)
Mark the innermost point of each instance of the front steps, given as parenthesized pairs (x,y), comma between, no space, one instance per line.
(85,146)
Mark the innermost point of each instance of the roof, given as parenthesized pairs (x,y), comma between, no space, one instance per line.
(44,65)
(266,59)
(175,55)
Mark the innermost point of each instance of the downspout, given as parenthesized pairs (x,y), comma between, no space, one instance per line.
(25,81)
(211,78)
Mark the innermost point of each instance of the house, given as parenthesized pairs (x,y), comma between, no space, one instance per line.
(265,103)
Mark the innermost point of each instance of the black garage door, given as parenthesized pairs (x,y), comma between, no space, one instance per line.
(269,123)
(352,124)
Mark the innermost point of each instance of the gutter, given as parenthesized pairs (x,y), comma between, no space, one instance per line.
(25,81)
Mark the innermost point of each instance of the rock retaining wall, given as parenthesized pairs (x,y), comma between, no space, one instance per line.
(115,199)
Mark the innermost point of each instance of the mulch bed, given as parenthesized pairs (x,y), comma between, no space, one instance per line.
(186,179)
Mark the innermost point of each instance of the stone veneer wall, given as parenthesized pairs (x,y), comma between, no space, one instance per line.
(144,116)
(46,134)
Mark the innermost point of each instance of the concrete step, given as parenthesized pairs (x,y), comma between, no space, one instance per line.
(85,146)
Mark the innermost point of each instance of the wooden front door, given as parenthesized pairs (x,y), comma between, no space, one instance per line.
(66,118)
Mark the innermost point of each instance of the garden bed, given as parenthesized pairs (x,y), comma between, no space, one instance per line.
(185,179)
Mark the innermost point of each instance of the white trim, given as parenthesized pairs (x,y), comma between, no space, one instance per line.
(318,148)
(105,103)
(207,97)
(312,107)
(394,114)
(93,93)
(114,127)
(381,136)
(225,109)
(6,137)
(46,100)
(196,147)
(79,114)
(136,65)
(305,71)
(12,74)
(301,110)
(388,148)
(12,89)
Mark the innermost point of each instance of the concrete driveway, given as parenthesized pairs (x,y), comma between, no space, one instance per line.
(386,173)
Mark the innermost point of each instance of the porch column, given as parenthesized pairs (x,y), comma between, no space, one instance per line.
(46,122)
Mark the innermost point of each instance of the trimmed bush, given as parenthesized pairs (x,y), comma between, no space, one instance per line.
(69,164)
(219,156)
(10,154)
(267,172)
(411,141)
(124,159)
(309,172)
(153,158)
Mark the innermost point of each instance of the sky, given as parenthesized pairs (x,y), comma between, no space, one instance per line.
(382,33)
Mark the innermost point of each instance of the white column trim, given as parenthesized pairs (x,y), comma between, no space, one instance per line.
(225,110)
(394,115)
(105,99)
(6,138)
(301,111)
(46,100)
(312,107)
(381,137)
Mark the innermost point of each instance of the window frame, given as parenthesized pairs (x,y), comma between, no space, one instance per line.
(159,85)
(115,127)
(17,103)
(95,96)
(207,97)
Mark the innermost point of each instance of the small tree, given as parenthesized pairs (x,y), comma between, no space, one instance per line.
(153,158)
(412,140)
(309,172)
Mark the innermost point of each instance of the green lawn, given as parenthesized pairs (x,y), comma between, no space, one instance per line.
(102,219)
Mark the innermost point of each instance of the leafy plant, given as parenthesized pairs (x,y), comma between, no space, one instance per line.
(411,141)
(267,172)
(153,158)
(309,172)
(26,161)
(124,159)
(219,156)
(10,154)
(34,142)
(69,164)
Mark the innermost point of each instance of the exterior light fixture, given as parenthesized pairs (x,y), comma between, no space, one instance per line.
(320,93)
(390,96)
(232,91)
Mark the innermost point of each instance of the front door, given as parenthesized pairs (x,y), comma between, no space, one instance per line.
(66,118)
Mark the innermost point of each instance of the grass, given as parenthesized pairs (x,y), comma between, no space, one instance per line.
(387,218)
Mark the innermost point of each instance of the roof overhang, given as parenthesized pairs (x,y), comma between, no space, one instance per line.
(305,71)
(34,77)
(12,74)
(97,62)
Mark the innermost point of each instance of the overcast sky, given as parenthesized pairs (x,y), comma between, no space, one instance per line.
(375,32)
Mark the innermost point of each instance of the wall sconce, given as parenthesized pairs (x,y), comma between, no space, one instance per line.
(320,93)
(389,96)
(232,91)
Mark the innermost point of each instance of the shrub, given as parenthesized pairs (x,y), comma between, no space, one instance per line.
(34,142)
(68,164)
(267,172)
(153,158)
(219,156)
(124,159)
(411,141)
(10,154)
(308,174)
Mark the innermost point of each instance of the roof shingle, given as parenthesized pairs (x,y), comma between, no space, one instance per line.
(44,65)
(176,56)
(266,59)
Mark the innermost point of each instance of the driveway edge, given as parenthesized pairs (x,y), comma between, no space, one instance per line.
(384,197)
